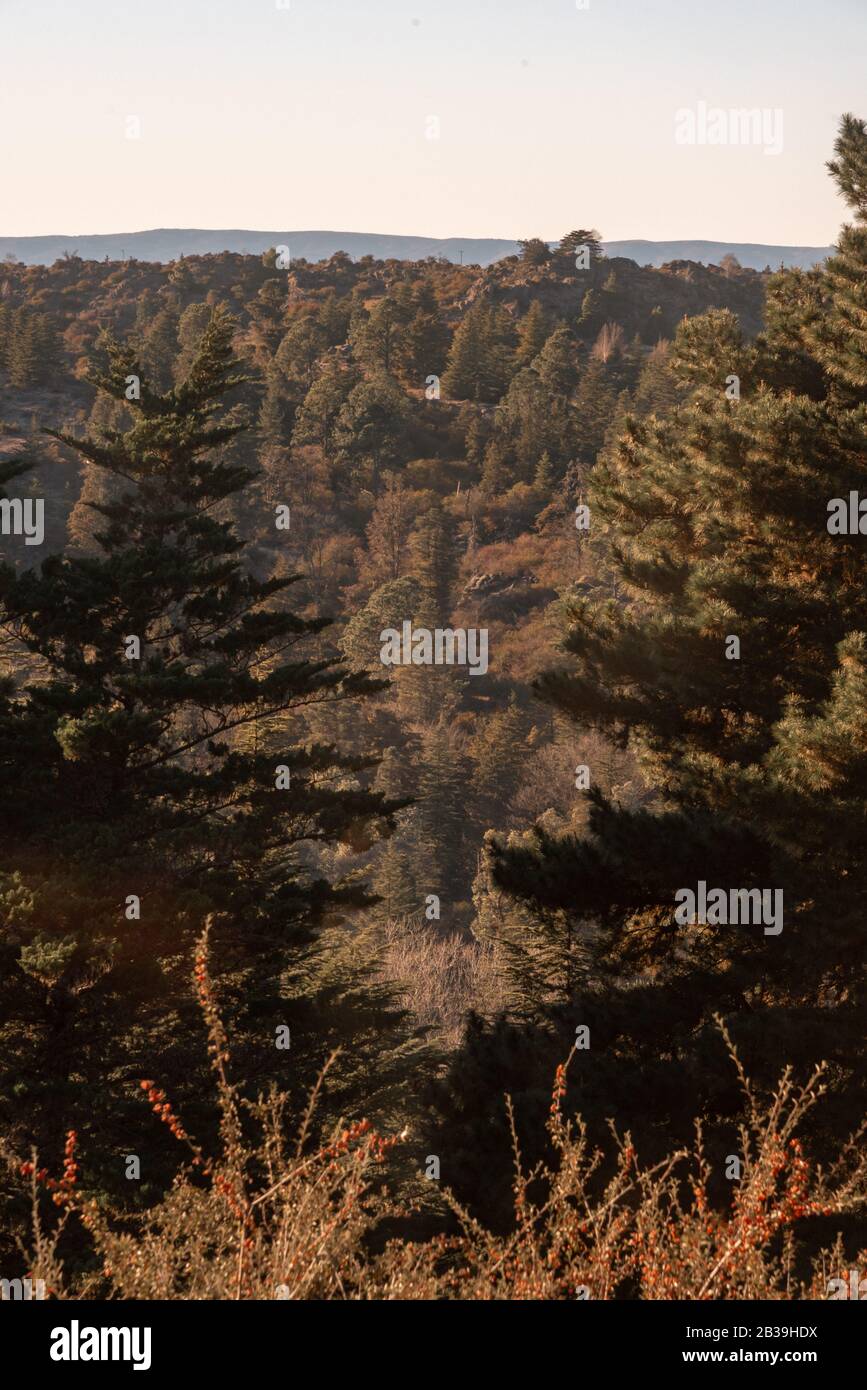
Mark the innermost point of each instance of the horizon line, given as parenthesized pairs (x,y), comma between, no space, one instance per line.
(404,236)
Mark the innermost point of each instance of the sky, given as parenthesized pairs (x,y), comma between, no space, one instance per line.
(491,118)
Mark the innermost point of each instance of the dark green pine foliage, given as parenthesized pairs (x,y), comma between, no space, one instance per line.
(498,754)
(159,348)
(434,561)
(480,359)
(709,525)
(657,391)
(557,363)
(533,333)
(427,337)
(396,884)
(596,402)
(535,417)
(465,366)
(30,348)
(126,778)
(573,242)
(442,851)
(840,339)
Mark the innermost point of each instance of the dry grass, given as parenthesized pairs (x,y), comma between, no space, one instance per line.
(441,977)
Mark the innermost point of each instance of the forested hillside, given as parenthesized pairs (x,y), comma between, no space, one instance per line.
(431,429)
(252,468)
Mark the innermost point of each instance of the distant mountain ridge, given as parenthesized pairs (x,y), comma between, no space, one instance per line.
(167,244)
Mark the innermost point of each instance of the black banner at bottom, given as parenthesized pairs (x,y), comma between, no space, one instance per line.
(85,1340)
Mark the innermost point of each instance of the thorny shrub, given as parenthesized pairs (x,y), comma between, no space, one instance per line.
(267,1220)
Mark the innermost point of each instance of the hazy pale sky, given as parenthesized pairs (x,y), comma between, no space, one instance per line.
(318,115)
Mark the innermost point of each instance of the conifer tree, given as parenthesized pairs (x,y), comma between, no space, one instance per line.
(387,532)
(480,358)
(713,526)
(592,309)
(316,421)
(496,475)
(396,882)
(48,350)
(657,391)
(595,405)
(839,339)
(159,347)
(191,326)
(133,805)
(498,361)
(534,251)
(497,752)
(369,431)
(434,561)
(299,351)
(5,338)
(475,426)
(425,341)
(572,243)
(378,337)
(463,374)
(557,362)
(545,476)
(23,361)
(532,334)
(439,820)
(272,422)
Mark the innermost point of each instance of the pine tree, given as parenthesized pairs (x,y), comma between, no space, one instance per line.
(159,348)
(5,338)
(521,423)
(557,363)
(532,334)
(388,606)
(387,532)
(299,351)
(132,809)
(441,852)
(396,883)
(369,431)
(595,406)
(480,358)
(572,243)
(48,350)
(498,752)
(545,477)
(22,353)
(272,422)
(463,374)
(534,251)
(496,477)
(475,425)
(657,390)
(434,561)
(712,526)
(377,341)
(498,359)
(394,775)
(425,341)
(333,315)
(317,417)
(839,339)
(592,308)
(191,327)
